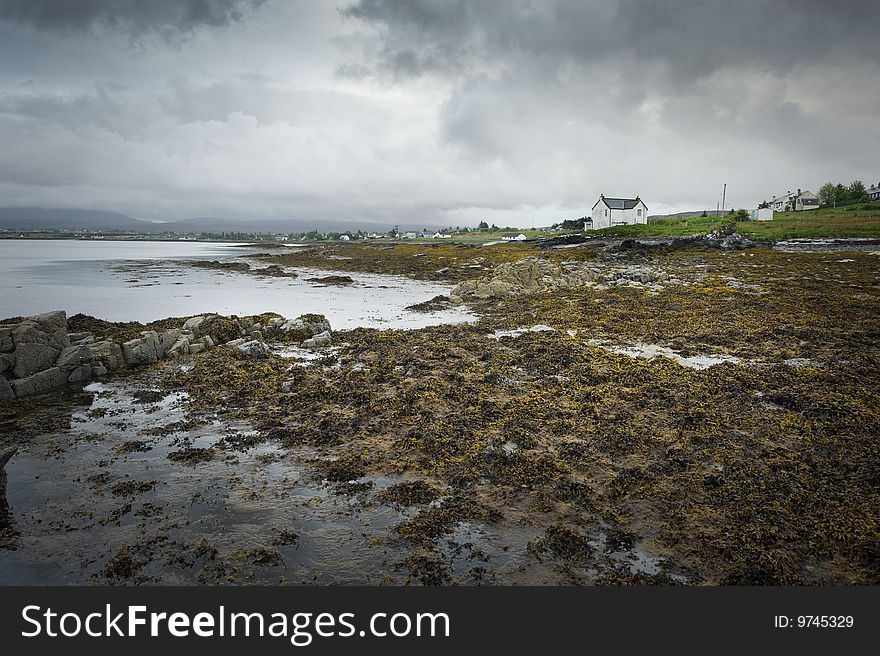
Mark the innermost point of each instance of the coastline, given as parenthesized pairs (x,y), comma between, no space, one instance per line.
(526,447)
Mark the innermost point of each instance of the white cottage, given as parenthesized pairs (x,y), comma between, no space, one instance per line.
(512,236)
(609,212)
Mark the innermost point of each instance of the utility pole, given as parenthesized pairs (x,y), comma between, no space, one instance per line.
(723,197)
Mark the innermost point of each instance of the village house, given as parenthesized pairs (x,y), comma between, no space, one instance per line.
(874,192)
(512,236)
(609,212)
(795,202)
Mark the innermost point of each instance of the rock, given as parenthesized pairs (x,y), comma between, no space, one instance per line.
(99,371)
(81,374)
(38,383)
(197,347)
(6,345)
(180,347)
(287,385)
(321,339)
(36,341)
(108,353)
(167,340)
(73,357)
(5,389)
(142,351)
(7,362)
(33,358)
(253,348)
(193,323)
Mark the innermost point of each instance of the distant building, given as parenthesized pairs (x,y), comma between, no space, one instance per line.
(873,192)
(512,236)
(609,212)
(440,235)
(762,214)
(795,202)
(410,235)
(345,237)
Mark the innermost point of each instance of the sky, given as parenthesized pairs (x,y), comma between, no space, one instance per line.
(429,112)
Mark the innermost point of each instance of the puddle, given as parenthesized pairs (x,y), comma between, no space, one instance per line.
(516,332)
(651,351)
(132,492)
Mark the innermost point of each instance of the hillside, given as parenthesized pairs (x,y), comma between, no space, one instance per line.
(861,220)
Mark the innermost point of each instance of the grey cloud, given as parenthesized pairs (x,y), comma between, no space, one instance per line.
(693,37)
(166,18)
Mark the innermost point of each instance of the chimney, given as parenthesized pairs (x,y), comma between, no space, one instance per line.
(799,192)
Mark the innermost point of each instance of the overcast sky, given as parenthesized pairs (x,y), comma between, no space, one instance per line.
(433,112)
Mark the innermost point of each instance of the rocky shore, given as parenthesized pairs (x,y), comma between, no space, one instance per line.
(566,437)
(39,354)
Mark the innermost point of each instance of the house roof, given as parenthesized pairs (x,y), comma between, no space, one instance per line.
(620,203)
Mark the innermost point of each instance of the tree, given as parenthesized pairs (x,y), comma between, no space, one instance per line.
(483,225)
(764,205)
(857,191)
(827,194)
(841,193)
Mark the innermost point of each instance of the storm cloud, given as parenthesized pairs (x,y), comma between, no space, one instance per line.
(136,17)
(431,112)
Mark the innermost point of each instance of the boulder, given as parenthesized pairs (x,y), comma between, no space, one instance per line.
(5,389)
(142,351)
(74,357)
(33,358)
(321,339)
(252,348)
(168,339)
(81,374)
(180,347)
(37,342)
(38,383)
(108,353)
(6,345)
(7,362)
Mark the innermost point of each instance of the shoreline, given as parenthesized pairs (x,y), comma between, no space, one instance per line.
(544,443)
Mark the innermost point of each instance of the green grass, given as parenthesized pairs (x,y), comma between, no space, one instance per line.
(861,220)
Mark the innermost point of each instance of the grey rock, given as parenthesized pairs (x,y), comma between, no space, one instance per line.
(7,362)
(168,339)
(5,389)
(321,339)
(31,358)
(99,371)
(253,348)
(141,351)
(81,374)
(43,381)
(6,345)
(74,356)
(197,347)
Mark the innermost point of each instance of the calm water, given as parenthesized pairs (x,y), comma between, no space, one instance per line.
(145,281)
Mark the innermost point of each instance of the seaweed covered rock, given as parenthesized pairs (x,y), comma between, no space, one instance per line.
(534,275)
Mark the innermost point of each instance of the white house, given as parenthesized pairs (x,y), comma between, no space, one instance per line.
(797,202)
(609,212)
(345,237)
(440,235)
(512,236)
(873,192)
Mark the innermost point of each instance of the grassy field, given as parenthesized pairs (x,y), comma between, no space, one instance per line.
(861,220)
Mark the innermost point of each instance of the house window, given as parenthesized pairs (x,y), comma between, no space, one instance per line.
(606,212)
(638,212)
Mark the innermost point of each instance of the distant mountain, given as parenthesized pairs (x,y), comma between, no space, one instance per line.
(36,218)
